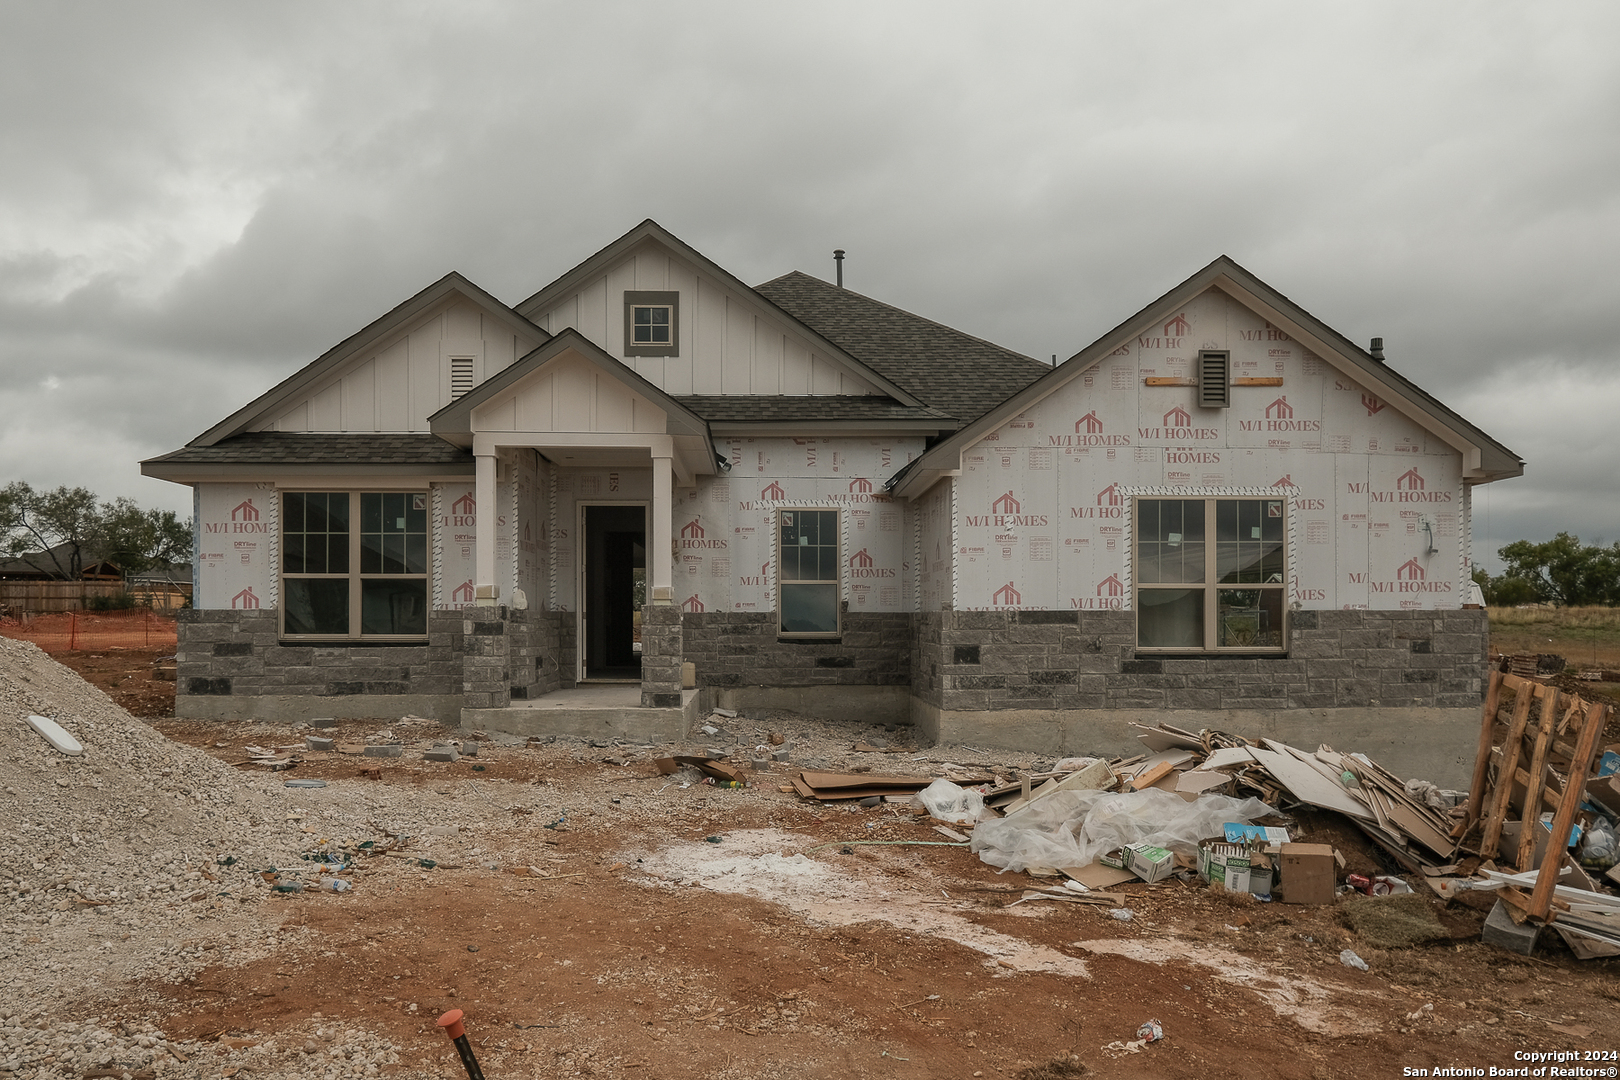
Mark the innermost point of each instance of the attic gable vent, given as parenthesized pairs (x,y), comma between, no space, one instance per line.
(461,376)
(1214,379)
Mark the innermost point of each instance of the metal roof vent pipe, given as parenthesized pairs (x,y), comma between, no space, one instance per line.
(1377,349)
(838,260)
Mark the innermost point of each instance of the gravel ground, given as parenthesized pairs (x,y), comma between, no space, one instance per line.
(145,858)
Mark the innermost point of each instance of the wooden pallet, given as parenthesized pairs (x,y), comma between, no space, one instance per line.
(1536,765)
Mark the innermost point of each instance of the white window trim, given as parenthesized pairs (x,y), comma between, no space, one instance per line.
(837,586)
(354,575)
(1290,561)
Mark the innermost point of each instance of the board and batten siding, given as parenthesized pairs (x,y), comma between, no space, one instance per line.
(729,343)
(397,384)
(571,394)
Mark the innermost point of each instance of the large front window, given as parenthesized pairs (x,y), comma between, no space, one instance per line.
(354,564)
(807,578)
(1210,574)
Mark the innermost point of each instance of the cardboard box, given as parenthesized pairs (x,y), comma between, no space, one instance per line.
(1605,792)
(1148,862)
(1115,858)
(1307,874)
(1238,867)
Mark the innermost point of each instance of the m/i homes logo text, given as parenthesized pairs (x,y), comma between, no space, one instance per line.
(1109,596)
(1279,416)
(1177,426)
(1089,430)
(1410,577)
(1005,512)
(244,519)
(1410,487)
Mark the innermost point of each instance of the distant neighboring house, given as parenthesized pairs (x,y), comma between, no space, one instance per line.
(1222,508)
(53,564)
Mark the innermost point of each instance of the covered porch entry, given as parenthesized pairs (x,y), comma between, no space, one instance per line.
(578,414)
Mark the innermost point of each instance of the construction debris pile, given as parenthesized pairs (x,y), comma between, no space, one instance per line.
(1214,805)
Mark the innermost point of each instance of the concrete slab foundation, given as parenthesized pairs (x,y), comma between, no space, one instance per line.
(591,712)
(886,705)
(1413,743)
(319,710)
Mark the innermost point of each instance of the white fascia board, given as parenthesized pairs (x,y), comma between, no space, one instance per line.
(823,428)
(1385,388)
(391,477)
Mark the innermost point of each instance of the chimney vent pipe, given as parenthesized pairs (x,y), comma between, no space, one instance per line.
(1378,349)
(838,259)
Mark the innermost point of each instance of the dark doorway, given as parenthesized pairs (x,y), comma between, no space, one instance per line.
(615,560)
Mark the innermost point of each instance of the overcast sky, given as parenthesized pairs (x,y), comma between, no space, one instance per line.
(197,199)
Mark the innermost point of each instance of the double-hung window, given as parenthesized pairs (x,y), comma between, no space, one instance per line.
(1210,574)
(807,579)
(354,564)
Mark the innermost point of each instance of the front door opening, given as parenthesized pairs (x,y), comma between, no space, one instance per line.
(615,562)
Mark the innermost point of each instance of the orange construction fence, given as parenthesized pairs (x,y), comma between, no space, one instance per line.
(85,631)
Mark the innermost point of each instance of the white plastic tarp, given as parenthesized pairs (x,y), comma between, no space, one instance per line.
(1071,828)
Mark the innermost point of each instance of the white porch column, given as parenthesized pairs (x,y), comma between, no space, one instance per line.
(485,591)
(660,557)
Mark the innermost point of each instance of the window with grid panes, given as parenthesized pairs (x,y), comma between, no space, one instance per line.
(807,579)
(354,565)
(1210,574)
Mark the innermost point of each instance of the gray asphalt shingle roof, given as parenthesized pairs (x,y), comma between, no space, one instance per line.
(956,372)
(319,448)
(769,408)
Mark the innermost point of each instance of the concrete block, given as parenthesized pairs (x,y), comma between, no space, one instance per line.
(783,753)
(438,753)
(317,742)
(1501,931)
(391,750)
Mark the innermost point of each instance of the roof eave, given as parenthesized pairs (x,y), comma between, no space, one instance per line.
(310,373)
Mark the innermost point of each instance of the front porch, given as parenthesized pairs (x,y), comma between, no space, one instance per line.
(612,711)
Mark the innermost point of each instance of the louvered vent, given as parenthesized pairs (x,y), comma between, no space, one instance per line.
(461,376)
(1214,379)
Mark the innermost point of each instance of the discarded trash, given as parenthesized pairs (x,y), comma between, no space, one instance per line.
(1150,1032)
(56,735)
(292,887)
(335,885)
(709,729)
(1598,848)
(1424,1013)
(1123,914)
(948,802)
(713,839)
(1377,885)
(725,783)
(1045,833)
(1350,959)
(304,783)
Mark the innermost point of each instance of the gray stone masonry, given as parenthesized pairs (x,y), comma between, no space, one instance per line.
(986,660)
(488,634)
(239,654)
(661,656)
(735,649)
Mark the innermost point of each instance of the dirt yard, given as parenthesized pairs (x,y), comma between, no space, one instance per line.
(596,919)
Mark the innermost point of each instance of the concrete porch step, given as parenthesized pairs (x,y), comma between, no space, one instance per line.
(592,712)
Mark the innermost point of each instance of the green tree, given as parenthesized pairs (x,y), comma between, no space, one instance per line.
(61,530)
(1561,571)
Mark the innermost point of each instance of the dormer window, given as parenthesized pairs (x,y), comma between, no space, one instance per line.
(652,323)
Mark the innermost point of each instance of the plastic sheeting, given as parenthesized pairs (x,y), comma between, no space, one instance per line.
(949,802)
(1071,828)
